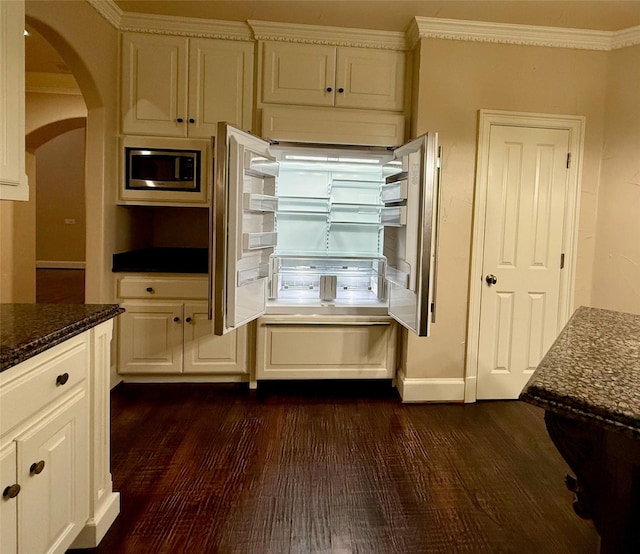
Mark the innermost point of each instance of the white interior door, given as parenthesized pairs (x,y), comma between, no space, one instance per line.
(243,237)
(521,262)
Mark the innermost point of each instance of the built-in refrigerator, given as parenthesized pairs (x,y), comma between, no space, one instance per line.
(322,229)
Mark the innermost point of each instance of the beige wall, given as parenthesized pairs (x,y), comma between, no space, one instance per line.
(18,244)
(458,78)
(89,46)
(60,170)
(616,282)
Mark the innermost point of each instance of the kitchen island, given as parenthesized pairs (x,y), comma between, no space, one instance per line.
(589,385)
(54,426)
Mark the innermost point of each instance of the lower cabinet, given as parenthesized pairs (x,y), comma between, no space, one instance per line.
(167,337)
(291,347)
(55,479)
(53,467)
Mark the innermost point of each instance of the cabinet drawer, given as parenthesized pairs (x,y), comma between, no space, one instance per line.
(28,387)
(325,350)
(145,287)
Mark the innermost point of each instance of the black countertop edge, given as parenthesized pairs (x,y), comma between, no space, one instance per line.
(587,415)
(29,329)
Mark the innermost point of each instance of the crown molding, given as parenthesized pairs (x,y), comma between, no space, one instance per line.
(176,26)
(334,36)
(625,38)
(528,35)
(421,27)
(109,10)
(185,26)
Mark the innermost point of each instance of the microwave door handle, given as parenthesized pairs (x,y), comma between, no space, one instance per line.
(177,168)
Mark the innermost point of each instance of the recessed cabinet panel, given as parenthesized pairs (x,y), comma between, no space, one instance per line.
(220,77)
(151,338)
(304,350)
(205,352)
(8,505)
(53,465)
(298,74)
(179,87)
(154,84)
(371,79)
(13,180)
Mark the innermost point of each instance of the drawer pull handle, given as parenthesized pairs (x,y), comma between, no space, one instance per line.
(36,468)
(176,319)
(62,379)
(11,491)
(149,289)
(188,320)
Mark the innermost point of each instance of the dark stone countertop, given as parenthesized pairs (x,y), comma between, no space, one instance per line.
(162,260)
(28,329)
(592,371)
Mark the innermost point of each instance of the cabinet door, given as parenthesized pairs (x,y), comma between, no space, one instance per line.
(13,181)
(370,79)
(298,74)
(53,470)
(220,85)
(150,338)
(154,85)
(205,352)
(8,505)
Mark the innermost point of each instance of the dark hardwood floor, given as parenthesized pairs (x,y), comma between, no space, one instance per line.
(60,286)
(333,467)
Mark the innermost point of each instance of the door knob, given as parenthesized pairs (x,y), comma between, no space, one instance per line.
(11,491)
(491,279)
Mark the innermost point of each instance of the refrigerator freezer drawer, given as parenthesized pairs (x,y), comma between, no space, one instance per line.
(326,348)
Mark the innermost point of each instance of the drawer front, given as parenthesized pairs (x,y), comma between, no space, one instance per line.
(150,288)
(28,387)
(325,351)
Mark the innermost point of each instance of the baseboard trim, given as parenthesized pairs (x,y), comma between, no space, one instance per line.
(430,389)
(55,264)
(96,528)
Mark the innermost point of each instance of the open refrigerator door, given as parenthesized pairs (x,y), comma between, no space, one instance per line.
(411,200)
(242,229)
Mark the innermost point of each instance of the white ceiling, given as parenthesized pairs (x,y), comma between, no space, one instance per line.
(395,15)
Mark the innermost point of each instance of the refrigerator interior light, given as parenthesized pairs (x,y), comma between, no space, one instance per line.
(299,158)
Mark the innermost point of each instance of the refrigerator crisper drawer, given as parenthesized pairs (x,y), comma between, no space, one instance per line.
(306,280)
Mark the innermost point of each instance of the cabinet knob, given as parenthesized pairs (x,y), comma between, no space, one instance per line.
(188,320)
(340,89)
(62,379)
(11,491)
(37,467)
(179,120)
(329,89)
(149,289)
(176,319)
(191,120)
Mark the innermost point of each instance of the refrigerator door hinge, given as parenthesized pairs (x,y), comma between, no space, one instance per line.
(568,159)
(562,260)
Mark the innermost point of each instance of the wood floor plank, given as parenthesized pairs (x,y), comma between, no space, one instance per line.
(337,468)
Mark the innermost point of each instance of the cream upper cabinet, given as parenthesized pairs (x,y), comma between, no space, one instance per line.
(181,87)
(13,180)
(330,76)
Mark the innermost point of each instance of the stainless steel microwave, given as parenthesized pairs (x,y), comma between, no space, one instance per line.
(162,169)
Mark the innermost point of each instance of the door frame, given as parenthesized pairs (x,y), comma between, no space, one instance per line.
(486,119)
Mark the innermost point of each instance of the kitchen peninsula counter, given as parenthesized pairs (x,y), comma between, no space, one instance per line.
(589,385)
(592,371)
(28,329)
